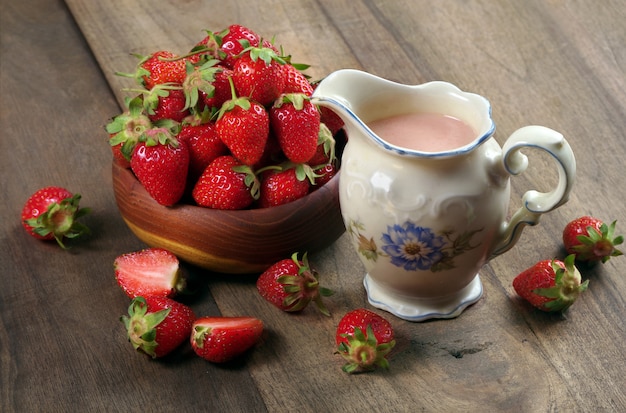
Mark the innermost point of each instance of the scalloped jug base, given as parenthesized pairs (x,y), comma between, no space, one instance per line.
(422,309)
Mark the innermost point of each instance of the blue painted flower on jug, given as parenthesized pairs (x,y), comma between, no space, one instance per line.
(412,247)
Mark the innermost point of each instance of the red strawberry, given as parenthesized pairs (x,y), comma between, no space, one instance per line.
(550,285)
(152,271)
(592,240)
(161,164)
(157,325)
(221,89)
(326,173)
(284,185)
(243,125)
(296,123)
(226,184)
(51,213)
(206,49)
(220,339)
(231,42)
(296,81)
(166,102)
(204,146)
(161,67)
(325,151)
(126,129)
(206,86)
(291,284)
(258,75)
(364,339)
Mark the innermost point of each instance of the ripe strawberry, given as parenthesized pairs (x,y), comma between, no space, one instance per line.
(160,67)
(592,240)
(166,102)
(152,271)
(157,325)
(204,146)
(243,125)
(291,284)
(284,185)
(226,184)
(325,173)
(51,213)
(325,151)
(550,285)
(296,81)
(364,339)
(220,339)
(126,129)
(258,75)
(161,163)
(221,89)
(231,42)
(296,123)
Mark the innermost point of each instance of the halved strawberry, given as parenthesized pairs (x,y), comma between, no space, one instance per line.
(220,339)
(151,271)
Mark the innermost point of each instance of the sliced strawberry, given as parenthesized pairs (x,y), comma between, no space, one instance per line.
(220,339)
(152,271)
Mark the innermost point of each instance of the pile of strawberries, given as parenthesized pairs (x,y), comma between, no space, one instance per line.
(230,123)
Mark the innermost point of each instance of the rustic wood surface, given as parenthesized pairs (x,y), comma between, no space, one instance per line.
(62,347)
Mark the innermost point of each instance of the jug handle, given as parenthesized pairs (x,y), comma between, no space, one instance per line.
(535,203)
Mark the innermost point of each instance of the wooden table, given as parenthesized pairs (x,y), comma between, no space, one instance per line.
(62,347)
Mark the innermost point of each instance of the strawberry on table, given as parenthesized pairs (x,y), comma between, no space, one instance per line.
(161,163)
(226,184)
(364,339)
(157,325)
(220,339)
(550,285)
(51,213)
(591,240)
(151,271)
(291,284)
(296,123)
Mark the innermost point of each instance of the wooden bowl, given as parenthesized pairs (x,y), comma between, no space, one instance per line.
(234,242)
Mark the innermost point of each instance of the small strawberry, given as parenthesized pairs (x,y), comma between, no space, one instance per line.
(126,129)
(152,271)
(206,85)
(591,240)
(157,325)
(51,213)
(231,42)
(226,184)
(325,173)
(220,339)
(296,123)
(296,81)
(258,75)
(161,163)
(284,184)
(291,284)
(204,146)
(166,101)
(550,285)
(364,339)
(221,89)
(243,125)
(325,151)
(160,67)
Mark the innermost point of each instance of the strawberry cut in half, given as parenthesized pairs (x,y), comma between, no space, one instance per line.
(221,339)
(152,271)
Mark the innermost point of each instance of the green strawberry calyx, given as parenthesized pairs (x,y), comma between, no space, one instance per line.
(363,352)
(567,285)
(141,325)
(60,220)
(303,287)
(129,127)
(598,245)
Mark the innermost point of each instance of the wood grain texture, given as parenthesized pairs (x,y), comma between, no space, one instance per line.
(555,63)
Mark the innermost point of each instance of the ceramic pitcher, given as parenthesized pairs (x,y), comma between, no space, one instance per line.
(424,222)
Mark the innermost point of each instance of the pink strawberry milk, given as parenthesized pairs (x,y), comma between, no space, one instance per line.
(425,189)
